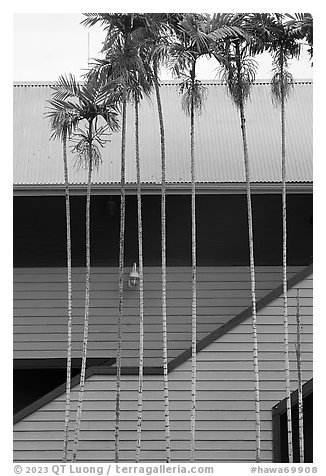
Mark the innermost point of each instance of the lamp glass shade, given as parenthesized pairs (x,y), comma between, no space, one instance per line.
(134,276)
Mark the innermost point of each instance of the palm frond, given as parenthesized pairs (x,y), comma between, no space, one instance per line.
(263,27)
(238,73)
(61,105)
(194,35)
(101,69)
(129,68)
(219,20)
(93,18)
(194,94)
(159,53)
(229,26)
(62,123)
(64,117)
(180,60)
(278,80)
(110,114)
(83,149)
(301,26)
(226,32)
(66,87)
(71,103)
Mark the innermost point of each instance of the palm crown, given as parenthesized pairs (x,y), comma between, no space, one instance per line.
(74,103)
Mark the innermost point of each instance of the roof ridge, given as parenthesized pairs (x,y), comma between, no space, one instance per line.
(164,82)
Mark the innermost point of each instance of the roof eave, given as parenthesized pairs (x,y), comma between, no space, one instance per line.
(155,188)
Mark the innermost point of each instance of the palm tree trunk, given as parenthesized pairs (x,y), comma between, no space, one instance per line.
(69,282)
(163,238)
(285,296)
(194,279)
(87,301)
(251,258)
(141,289)
(121,268)
(300,397)
(252,283)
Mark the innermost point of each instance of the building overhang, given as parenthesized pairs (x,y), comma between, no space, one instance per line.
(155,189)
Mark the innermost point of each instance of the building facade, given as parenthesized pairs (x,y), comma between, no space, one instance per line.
(225,428)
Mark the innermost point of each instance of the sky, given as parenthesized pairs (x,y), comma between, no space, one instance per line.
(47,45)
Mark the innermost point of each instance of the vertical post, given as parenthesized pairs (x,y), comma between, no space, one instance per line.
(88,49)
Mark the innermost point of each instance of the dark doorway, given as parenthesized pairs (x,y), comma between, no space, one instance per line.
(280,436)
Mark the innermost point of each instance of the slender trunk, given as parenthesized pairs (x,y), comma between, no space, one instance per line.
(121,268)
(87,300)
(69,282)
(285,294)
(194,277)
(300,398)
(253,287)
(164,313)
(141,289)
(252,268)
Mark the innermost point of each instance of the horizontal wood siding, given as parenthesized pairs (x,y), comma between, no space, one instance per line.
(40,312)
(225,428)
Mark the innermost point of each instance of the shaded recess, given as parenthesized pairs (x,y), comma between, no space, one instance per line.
(222,235)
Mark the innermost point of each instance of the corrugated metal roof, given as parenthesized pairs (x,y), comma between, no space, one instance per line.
(219,157)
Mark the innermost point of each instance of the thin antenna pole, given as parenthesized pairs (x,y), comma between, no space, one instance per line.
(88,49)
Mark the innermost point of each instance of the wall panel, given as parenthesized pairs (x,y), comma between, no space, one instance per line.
(225,428)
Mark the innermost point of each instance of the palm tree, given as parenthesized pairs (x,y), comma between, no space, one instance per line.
(163,260)
(195,36)
(121,268)
(238,71)
(62,123)
(156,29)
(302,24)
(89,102)
(142,84)
(196,98)
(162,31)
(184,55)
(283,45)
(125,64)
(283,40)
(141,287)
